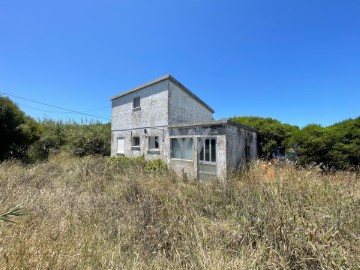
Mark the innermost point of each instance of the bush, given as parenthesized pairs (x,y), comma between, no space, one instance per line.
(337,145)
(17,131)
(155,165)
(76,139)
(92,139)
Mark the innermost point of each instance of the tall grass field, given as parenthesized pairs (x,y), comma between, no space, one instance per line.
(102,213)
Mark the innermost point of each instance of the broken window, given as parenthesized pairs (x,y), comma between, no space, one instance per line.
(182,148)
(136,141)
(136,102)
(154,142)
(208,150)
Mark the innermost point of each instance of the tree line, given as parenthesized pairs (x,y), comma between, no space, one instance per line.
(24,138)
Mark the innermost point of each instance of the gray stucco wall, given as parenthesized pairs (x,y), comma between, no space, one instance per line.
(254,146)
(153,112)
(184,109)
(144,149)
(237,139)
(235,147)
(152,116)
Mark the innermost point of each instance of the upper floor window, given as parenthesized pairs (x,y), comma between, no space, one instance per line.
(136,102)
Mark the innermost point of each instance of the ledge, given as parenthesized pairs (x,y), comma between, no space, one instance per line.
(153,152)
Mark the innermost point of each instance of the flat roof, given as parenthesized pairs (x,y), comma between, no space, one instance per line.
(163,78)
(214,123)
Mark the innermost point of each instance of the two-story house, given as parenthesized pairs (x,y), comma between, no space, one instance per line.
(163,119)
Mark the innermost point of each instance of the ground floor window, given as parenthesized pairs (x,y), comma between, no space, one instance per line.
(208,150)
(182,148)
(153,142)
(136,141)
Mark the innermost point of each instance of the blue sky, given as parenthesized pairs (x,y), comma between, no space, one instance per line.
(295,61)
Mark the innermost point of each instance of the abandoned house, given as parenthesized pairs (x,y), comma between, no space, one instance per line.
(163,119)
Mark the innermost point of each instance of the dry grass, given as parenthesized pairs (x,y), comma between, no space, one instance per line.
(93,213)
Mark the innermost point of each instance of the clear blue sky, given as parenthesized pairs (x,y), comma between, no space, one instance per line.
(295,61)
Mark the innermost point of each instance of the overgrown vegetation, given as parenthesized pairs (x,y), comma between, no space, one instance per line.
(73,138)
(17,131)
(114,213)
(23,138)
(336,146)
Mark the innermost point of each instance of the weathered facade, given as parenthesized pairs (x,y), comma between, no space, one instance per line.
(163,119)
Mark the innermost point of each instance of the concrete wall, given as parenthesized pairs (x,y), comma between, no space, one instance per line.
(254,146)
(221,168)
(128,122)
(235,147)
(153,112)
(237,139)
(144,149)
(185,109)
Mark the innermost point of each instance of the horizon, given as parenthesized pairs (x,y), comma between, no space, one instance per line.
(297,63)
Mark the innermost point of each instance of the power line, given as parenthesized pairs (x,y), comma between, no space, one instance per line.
(57,107)
(56,112)
(53,112)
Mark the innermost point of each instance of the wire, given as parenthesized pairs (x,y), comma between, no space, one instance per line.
(22,105)
(57,107)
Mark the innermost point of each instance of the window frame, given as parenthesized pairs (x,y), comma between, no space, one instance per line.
(212,156)
(135,101)
(156,140)
(133,140)
(183,147)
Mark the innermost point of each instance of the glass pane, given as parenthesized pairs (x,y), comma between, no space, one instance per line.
(175,148)
(207,150)
(187,149)
(213,150)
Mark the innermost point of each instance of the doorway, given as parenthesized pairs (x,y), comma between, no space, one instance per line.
(207,158)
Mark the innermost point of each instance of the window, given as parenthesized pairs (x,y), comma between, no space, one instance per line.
(136,141)
(182,148)
(208,150)
(136,103)
(154,142)
(120,146)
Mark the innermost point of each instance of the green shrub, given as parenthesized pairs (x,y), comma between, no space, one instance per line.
(155,165)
